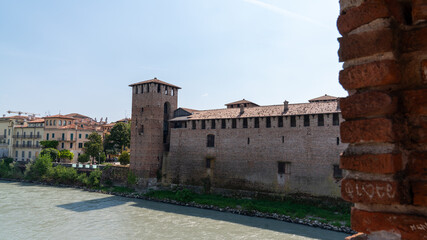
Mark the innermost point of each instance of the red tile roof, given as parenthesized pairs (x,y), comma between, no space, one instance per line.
(59,116)
(243,101)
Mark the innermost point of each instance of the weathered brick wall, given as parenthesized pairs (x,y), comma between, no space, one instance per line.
(147,145)
(384,50)
(312,152)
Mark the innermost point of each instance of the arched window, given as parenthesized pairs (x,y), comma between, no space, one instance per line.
(210,141)
(60,122)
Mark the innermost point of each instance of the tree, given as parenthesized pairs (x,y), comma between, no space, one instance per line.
(83,158)
(66,154)
(124,158)
(119,138)
(41,168)
(51,152)
(49,144)
(93,147)
(102,158)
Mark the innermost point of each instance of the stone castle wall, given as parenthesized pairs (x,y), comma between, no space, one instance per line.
(248,158)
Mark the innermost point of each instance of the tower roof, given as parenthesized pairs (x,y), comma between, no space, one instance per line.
(325,98)
(154,80)
(243,101)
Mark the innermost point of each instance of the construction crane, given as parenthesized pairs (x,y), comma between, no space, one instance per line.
(26,113)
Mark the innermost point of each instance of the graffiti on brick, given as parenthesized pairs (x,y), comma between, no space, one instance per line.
(371,190)
(416,227)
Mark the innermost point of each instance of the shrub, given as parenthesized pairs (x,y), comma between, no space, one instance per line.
(184,195)
(83,179)
(131,178)
(66,154)
(8,160)
(95,178)
(65,175)
(83,158)
(124,158)
(41,169)
(102,158)
(5,169)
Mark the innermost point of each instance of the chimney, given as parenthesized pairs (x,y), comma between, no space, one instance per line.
(242,109)
(285,106)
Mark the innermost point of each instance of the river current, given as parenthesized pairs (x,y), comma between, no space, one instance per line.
(29,211)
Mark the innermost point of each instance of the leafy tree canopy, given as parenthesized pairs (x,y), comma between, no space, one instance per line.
(118,139)
(51,152)
(83,158)
(66,154)
(94,147)
(49,144)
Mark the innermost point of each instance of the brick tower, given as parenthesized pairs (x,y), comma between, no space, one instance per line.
(153,103)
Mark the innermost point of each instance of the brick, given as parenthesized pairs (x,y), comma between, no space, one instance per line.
(424,71)
(372,163)
(365,44)
(367,191)
(363,14)
(414,40)
(367,130)
(370,75)
(366,104)
(419,191)
(419,11)
(408,226)
(417,164)
(415,102)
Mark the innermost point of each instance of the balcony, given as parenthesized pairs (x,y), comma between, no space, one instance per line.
(65,139)
(27,136)
(26,146)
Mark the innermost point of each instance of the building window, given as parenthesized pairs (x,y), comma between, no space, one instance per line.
(72,136)
(158,88)
(87,135)
(284,168)
(62,145)
(60,122)
(268,122)
(80,145)
(141,130)
(280,121)
(31,134)
(47,136)
(337,171)
(29,154)
(5,131)
(50,122)
(293,121)
(249,140)
(28,143)
(17,134)
(80,135)
(23,154)
(172,92)
(166,90)
(256,124)
(306,120)
(283,139)
(210,140)
(234,123)
(71,145)
(213,126)
(38,134)
(8,132)
(338,141)
(54,122)
(16,154)
(208,162)
(320,120)
(63,136)
(203,124)
(193,124)
(37,144)
(53,135)
(245,123)
(223,124)
(335,119)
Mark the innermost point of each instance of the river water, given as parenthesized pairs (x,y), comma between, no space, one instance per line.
(29,211)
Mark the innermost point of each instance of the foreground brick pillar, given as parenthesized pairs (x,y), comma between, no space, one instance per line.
(384,50)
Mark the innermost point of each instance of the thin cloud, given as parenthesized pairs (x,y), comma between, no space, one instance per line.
(205,95)
(285,12)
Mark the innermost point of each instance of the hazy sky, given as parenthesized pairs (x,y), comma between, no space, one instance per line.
(80,56)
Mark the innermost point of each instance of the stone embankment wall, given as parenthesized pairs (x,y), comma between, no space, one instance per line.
(384,50)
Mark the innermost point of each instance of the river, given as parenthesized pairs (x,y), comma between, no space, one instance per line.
(29,211)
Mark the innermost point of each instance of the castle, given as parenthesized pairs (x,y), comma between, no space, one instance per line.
(287,148)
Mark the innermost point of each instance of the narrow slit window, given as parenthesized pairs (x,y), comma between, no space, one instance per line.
(268,122)
(335,119)
(223,124)
(293,121)
(213,124)
(193,124)
(234,123)
(203,124)
(210,140)
(280,121)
